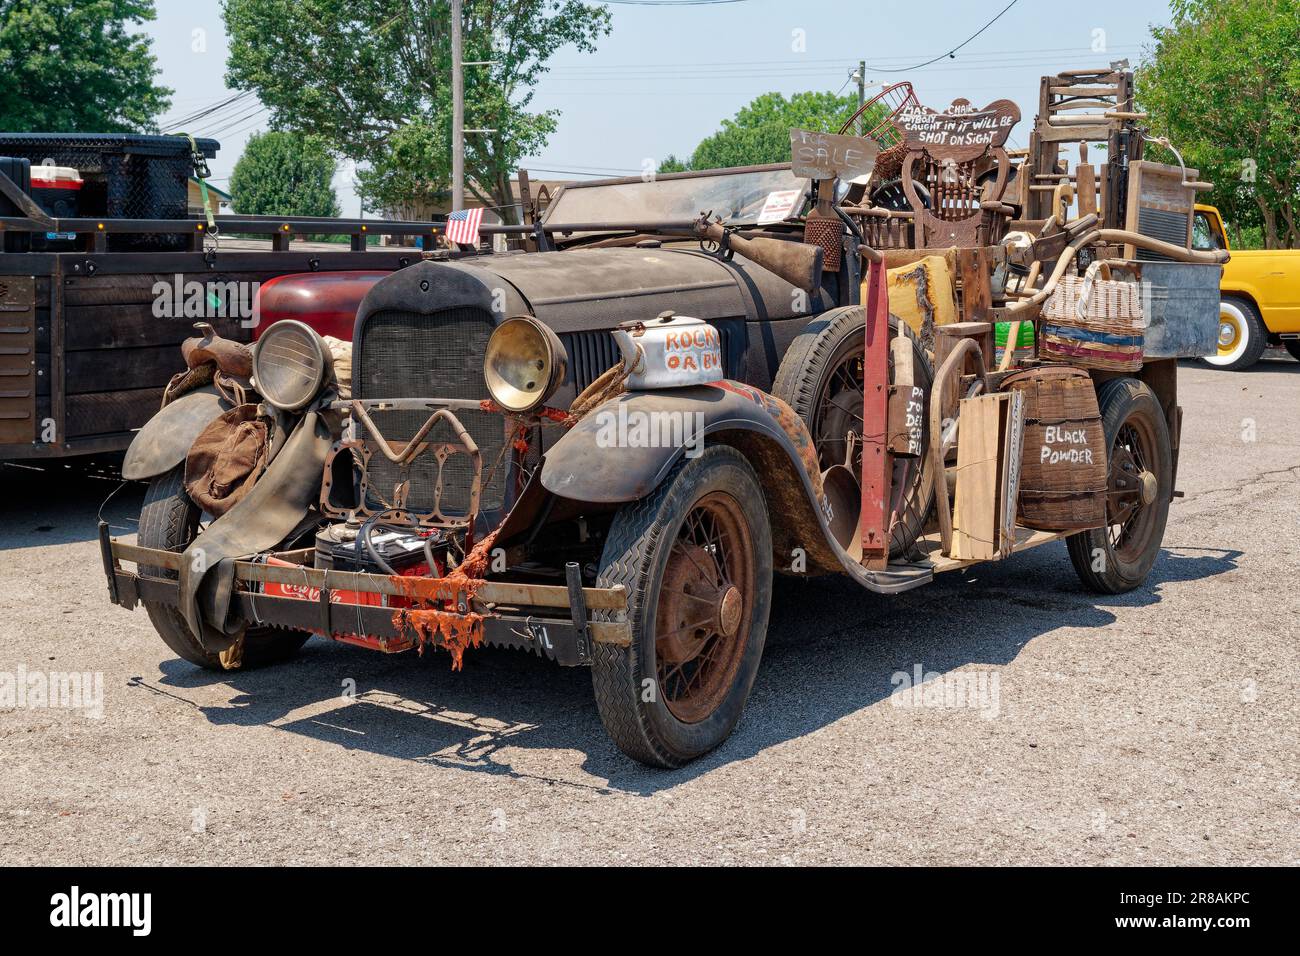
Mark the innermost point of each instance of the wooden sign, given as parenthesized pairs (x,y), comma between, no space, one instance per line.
(828,156)
(961,132)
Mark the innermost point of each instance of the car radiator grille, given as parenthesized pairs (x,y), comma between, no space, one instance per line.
(439,355)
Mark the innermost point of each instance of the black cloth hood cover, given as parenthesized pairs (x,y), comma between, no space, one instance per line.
(278,504)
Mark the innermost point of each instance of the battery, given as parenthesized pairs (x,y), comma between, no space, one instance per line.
(337,548)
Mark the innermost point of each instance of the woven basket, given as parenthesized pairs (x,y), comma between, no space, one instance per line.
(1094,322)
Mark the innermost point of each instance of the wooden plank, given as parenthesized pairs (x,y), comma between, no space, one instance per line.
(1012,432)
(1090,91)
(975,508)
(134,325)
(1026,538)
(18,379)
(1073,134)
(104,413)
(110,370)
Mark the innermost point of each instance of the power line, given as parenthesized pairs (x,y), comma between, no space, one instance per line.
(954,49)
(999,55)
(223,125)
(221,105)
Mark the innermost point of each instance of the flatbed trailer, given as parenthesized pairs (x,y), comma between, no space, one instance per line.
(84,352)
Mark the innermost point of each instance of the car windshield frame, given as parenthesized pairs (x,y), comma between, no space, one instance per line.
(736,194)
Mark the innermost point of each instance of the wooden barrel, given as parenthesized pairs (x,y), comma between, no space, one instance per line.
(1063,475)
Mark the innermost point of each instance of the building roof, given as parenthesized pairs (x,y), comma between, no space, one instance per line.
(221,193)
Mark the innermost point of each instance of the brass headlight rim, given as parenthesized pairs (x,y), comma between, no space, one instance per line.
(552,364)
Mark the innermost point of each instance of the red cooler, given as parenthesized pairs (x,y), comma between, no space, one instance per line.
(57,190)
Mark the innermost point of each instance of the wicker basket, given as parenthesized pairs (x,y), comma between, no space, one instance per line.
(1094,322)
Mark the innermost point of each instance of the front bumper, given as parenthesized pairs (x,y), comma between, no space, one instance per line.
(551,621)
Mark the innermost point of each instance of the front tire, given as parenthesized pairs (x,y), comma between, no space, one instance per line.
(696,559)
(1118,557)
(1242,335)
(169,521)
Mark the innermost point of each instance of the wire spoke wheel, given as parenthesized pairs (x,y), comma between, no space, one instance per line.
(695,556)
(705,604)
(1132,486)
(1119,556)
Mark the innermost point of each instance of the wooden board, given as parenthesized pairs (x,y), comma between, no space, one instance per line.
(1157,200)
(975,511)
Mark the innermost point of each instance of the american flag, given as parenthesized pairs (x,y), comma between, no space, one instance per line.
(462,226)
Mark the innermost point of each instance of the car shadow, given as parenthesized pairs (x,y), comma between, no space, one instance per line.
(832,650)
(61,502)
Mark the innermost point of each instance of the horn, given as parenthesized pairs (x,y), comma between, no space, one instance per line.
(796,263)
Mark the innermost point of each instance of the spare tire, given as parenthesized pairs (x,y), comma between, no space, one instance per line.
(821,378)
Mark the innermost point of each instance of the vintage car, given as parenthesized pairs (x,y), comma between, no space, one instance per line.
(601,451)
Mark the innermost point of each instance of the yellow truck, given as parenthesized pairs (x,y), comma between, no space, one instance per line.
(1259,296)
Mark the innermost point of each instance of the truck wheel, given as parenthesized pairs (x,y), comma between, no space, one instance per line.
(169,521)
(1118,557)
(696,559)
(821,378)
(1242,335)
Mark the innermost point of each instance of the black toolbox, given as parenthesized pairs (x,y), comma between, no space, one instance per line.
(126,175)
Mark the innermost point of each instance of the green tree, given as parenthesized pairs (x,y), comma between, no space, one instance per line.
(75,66)
(284,174)
(760,132)
(373,77)
(1223,84)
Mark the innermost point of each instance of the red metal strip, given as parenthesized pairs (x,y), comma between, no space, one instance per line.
(877,464)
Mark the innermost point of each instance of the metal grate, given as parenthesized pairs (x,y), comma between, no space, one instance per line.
(1160,224)
(591,354)
(440,355)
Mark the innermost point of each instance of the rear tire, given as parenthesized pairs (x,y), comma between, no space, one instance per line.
(169,521)
(1118,557)
(696,559)
(1242,335)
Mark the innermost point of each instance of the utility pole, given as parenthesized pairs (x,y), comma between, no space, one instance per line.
(457,112)
(862,95)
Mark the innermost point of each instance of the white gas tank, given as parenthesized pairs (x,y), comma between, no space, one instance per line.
(670,351)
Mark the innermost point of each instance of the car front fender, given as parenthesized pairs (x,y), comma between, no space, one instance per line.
(165,440)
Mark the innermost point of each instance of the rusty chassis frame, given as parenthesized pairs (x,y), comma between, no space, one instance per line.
(548,620)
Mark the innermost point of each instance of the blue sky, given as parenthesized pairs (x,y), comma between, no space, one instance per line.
(665,77)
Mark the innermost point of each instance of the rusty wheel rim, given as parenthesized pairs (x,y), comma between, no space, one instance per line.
(1131,519)
(706,603)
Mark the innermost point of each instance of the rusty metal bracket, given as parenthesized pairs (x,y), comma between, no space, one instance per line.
(361,451)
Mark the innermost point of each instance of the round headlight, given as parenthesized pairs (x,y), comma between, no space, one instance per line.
(290,362)
(524,364)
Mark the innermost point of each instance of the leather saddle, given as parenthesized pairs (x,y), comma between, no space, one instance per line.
(233,358)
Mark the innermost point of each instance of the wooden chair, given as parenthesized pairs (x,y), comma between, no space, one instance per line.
(959,158)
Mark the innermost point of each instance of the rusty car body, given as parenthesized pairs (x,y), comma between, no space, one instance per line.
(480,482)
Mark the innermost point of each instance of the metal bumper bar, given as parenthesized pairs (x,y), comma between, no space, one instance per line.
(549,620)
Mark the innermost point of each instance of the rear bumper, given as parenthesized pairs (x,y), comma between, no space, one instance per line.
(366,609)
